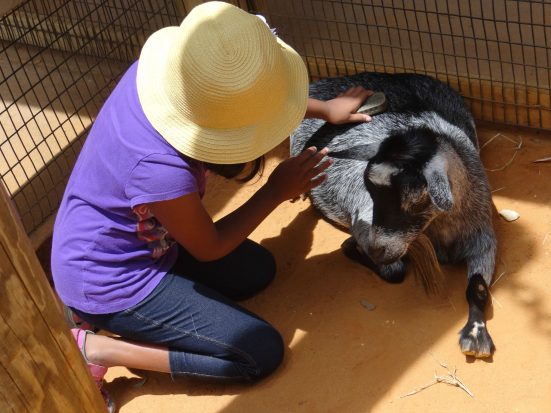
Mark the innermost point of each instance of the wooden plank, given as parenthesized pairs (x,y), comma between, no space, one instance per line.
(42,232)
(11,397)
(45,369)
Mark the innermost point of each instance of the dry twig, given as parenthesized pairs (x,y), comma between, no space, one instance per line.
(451,379)
(495,299)
(510,161)
(489,140)
(497,279)
(494,283)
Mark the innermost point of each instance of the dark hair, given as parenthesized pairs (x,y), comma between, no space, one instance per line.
(247,170)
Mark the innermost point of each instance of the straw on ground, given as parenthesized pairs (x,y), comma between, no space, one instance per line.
(450,379)
(510,161)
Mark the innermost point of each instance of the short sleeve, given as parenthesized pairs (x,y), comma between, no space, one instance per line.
(160,177)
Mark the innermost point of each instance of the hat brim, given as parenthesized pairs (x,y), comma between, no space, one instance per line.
(221,146)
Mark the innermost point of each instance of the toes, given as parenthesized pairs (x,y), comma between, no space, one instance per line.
(467,345)
(476,341)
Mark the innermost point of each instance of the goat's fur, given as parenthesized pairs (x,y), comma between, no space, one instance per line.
(425,266)
(412,170)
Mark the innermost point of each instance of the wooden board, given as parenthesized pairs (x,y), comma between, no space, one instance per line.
(41,369)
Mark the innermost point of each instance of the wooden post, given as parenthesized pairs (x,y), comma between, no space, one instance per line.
(41,368)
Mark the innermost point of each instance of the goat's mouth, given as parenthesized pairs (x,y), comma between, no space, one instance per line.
(385,261)
(386,257)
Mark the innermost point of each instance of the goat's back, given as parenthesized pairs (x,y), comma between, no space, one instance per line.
(412,101)
(407,95)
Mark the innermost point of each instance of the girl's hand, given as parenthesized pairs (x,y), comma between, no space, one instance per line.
(298,174)
(341,109)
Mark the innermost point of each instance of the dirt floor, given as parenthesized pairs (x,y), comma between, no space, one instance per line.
(343,357)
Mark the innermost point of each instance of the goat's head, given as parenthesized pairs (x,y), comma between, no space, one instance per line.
(408,183)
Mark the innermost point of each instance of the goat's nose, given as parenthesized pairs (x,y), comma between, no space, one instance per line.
(376,252)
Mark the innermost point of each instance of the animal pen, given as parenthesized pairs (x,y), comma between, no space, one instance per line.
(59,59)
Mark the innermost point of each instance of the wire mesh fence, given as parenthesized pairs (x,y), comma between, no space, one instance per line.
(59,59)
(496,53)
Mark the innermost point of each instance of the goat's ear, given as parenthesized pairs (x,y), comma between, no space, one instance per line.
(358,153)
(438,184)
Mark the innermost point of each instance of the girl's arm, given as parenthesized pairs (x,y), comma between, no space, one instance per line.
(189,223)
(341,109)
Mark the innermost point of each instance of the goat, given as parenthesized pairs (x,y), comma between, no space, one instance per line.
(413,171)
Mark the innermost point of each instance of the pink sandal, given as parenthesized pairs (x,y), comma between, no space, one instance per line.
(97,371)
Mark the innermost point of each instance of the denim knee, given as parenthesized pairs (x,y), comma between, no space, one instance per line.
(267,350)
(261,273)
(255,355)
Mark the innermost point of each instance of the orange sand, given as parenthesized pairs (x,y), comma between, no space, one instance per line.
(342,357)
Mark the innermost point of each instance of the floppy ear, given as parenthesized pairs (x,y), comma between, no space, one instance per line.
(358,153)
(438,184)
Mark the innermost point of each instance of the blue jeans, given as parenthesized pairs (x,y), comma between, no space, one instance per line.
(193,313)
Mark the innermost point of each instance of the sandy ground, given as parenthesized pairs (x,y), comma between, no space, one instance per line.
(342,357)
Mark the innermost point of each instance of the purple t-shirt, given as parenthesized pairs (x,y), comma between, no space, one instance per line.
(109,252)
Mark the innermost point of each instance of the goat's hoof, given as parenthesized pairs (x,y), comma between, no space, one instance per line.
(475,340)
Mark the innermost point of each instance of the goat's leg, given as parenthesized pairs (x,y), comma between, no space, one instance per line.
(474,337)
(392,273)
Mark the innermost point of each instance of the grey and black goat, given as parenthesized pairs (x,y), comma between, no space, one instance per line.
(413,172)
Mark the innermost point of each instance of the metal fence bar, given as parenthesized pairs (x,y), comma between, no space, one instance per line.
(496,53)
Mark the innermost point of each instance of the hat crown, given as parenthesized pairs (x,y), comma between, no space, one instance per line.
(233,71)
(220,87)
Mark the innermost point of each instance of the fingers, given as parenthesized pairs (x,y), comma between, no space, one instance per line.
(315,182)
(359,117)
(318,169)
(313,165)
(311,156)
(307,153)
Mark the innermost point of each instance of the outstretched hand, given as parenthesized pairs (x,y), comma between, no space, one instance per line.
(341,109)
(299,174)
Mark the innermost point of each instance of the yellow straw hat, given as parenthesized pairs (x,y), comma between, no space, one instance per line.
(221,88)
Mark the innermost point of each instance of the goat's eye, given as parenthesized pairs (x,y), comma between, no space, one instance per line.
(415,201)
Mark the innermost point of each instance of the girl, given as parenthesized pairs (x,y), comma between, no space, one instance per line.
(134,250)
